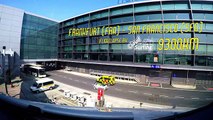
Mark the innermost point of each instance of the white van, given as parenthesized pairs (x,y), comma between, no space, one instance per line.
(42,85)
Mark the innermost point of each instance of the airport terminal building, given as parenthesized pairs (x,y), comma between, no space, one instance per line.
(157,41)
(27,37)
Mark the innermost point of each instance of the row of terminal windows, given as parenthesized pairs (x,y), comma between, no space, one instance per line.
(203,38)
(37,48)
(37,20)
(38,38)
(39,35)
(145,7)
(148,17)
(36,55)
(39,41)
(127,27)
(144,58)
(123,48)
(155,36)
(203,16)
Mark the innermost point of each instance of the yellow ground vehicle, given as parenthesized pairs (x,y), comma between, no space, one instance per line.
(105,80)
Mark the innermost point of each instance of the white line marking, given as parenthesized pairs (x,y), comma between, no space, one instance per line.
(133,91)
(179,97)
(84,82)
(76,80)
(195,98)
(118,89)
(147,93)
(70,78)
(164,96)
(60,76)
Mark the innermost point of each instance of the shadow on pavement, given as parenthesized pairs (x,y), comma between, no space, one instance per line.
(48,75)
(56,86)
(27,94)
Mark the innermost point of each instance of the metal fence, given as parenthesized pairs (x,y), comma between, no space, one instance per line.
(118,75)
(160,77)
(204,79)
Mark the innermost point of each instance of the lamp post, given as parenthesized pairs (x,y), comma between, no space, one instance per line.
(3,68)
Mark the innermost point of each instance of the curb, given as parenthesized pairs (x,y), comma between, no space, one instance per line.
(127,102)
(116,102)
(191,87)
(91,76)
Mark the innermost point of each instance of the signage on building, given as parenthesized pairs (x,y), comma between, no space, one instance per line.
(155,66)
(112,40)
(171,44)
(138,44)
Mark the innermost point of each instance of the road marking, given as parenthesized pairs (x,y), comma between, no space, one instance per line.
(76,80)
(70,78)
(173,89)
(118,89)
(133,91)
(195,98)
(164,96)
(84,82)
(147,93)
(209,98)
(179,97)
(60,76)
(64,77)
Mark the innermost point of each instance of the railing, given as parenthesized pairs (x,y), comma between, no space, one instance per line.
(120,77)
(117,75)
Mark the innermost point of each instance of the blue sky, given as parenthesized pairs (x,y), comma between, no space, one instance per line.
(59,9)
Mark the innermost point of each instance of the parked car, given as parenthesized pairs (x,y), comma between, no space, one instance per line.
(42,85)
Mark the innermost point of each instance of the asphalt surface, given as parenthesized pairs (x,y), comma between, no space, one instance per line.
(27,94)
(139,93)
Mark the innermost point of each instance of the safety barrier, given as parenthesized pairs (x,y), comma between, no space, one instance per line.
(79,99)
(120,77)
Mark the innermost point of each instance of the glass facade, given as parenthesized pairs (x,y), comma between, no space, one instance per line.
(39,38)
(176,23)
